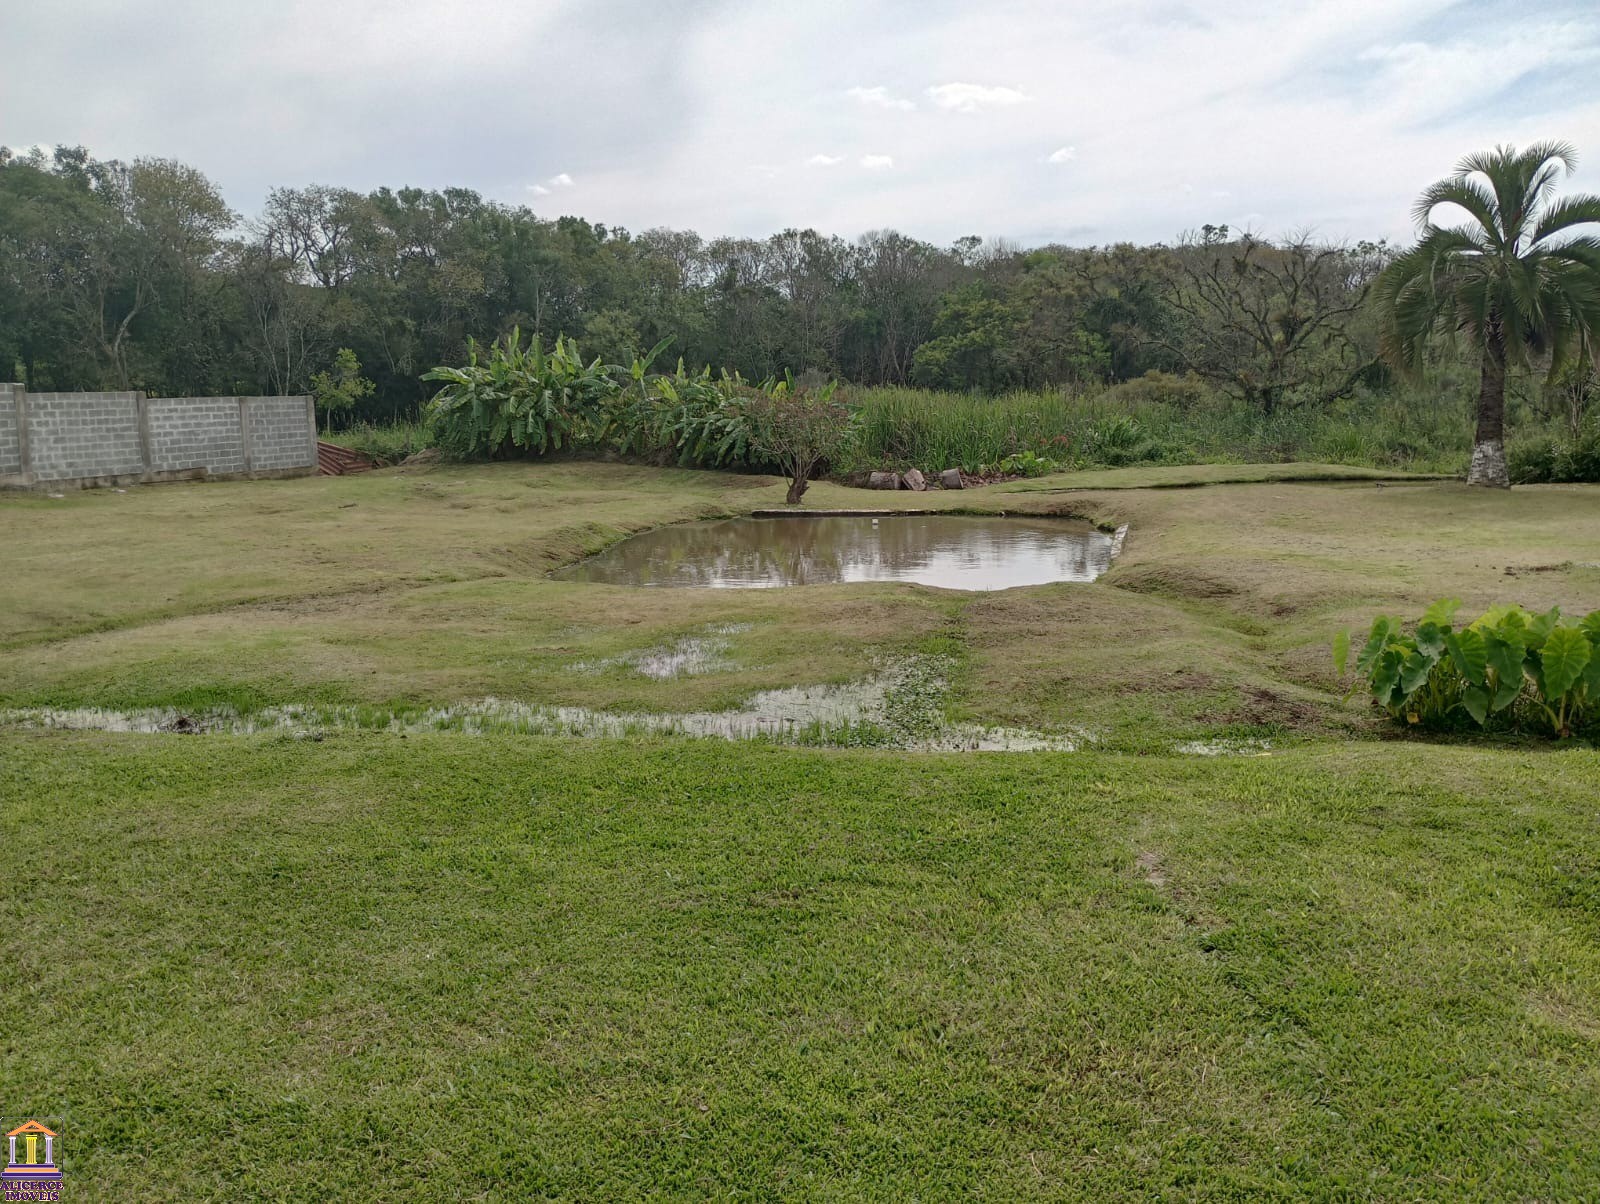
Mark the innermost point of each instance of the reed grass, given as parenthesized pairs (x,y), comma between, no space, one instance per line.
(1410,428)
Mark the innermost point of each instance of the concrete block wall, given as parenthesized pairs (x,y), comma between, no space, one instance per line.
(10,446)
(77,435)
(282,432)
(95,438)
(196,432)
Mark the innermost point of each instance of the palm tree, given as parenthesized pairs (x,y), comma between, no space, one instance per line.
(1515,280)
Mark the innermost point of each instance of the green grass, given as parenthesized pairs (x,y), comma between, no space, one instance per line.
(509,967)
(416,587)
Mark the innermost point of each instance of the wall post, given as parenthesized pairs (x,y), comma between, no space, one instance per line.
(19,394)
(244,433)
(140,400)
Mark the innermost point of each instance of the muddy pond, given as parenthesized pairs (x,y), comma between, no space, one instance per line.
(949,551)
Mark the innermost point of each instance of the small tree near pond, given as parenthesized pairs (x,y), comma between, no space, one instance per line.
(800,429)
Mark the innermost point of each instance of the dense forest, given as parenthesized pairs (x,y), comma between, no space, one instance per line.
(138,275)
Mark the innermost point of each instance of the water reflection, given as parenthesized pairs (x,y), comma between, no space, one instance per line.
(949,551)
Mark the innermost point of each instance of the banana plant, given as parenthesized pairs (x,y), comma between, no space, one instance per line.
(519,399)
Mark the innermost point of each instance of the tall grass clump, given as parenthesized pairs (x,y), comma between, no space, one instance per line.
(920,428)
(1160,419)
(386,442)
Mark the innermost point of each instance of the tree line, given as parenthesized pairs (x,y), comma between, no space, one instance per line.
(139,276)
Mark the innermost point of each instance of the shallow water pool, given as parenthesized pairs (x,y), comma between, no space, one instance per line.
(949,551)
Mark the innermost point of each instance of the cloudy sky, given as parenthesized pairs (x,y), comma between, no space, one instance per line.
(1034,120)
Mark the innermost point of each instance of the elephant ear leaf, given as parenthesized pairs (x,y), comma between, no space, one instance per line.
(1431,638)
(1542,625)
(1505,657)
(1591,676)
(1476,701)
(1470,654)
(1414,670)
(1382,628)
(1566,654)
(1341,652)
(1590,625)
(1442,613)
(1386,675)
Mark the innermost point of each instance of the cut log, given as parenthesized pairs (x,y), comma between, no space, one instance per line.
(950,478)
(884,480)
(914,480)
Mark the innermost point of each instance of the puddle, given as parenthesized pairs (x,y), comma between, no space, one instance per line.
(899,707)
(945,550)
(687,657)
(1226,748)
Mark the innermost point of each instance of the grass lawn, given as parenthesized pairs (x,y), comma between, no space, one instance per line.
(502,967)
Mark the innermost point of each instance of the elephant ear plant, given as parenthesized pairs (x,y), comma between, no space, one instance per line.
(1439,677)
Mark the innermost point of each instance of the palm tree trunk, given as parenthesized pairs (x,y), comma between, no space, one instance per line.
(1489,444)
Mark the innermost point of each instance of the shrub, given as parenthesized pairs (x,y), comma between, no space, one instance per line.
(1441,677)
(1157,388)
(1024,464)
(1531,461)
(799,429)
(1558,460)
(1118,440)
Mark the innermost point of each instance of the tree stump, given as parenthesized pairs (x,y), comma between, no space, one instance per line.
(950,478)
(914,480)
(883,480)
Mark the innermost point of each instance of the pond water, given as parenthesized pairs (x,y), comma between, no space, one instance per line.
(946,550)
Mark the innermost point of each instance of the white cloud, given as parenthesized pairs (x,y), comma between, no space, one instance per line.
(973,98)
(1279,130)
(881,97)
(1332,114)
(563,180)
(1419,81)
(1062,154)
(876,162)
(824,160)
